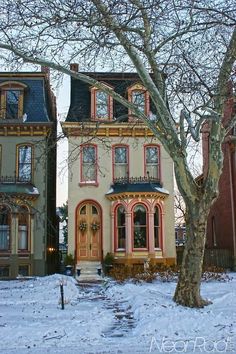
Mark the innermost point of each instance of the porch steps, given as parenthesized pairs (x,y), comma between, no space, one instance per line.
(88,271)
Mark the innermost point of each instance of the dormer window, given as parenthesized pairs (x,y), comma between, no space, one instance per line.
(138,95)
(101,105)
(12,95)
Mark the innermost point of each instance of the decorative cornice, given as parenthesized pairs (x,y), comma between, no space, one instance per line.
(137,195)
(24,129)
(131,129)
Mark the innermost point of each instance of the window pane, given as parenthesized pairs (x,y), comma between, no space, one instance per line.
(138,98)
(89,164)
(25,163)
(121,162)
(4,228)
(83,210)
(140,229)
(121,230)
(12,101)
(102,105)
(89,154)
(23,237)
(23,270)
(152,159)
(4,271)
(120,155)
(94,210)
(88,172)
(151,155)
(156,228)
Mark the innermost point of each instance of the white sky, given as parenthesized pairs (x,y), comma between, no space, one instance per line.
(63,101)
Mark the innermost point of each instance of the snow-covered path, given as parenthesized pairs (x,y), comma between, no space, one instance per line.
(113,318)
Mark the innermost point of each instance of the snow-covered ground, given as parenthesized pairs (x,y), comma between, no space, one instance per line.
(113,318)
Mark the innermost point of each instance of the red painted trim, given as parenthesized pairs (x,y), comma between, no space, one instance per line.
(113,158)
(94,91)
(89,183)
(160,211)
(146,98)
(147,228)
(159,159)
(94,202)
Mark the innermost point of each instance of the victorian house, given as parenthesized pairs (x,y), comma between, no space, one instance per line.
(28,234)
(120,177)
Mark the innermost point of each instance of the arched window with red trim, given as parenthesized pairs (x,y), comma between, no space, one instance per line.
(140,232)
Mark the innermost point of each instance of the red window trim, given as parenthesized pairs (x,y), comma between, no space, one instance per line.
(141,88)
(160,248)
(89,183)
(159,159)
(113,158)
(147,228)
(94,90)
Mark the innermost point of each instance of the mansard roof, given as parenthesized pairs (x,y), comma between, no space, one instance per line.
(80,105)
(38,97)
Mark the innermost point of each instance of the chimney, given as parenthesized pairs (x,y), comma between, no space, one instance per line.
(74,67)
(46,70)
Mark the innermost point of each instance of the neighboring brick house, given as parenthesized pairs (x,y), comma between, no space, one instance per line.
(120,197)
(28,233)
(221,227)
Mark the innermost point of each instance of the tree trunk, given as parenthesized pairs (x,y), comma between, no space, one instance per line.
(187,292)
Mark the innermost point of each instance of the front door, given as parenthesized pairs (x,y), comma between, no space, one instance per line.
(88,228)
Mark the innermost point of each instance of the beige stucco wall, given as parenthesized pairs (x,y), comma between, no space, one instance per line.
(136,167)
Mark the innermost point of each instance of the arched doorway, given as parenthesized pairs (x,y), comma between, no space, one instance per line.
(88,231)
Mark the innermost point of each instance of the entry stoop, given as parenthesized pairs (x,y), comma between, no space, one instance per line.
(88,271)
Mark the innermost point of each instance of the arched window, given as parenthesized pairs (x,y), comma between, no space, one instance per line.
(120,228)
(5,228)
(138,95)
(140,226)
(12,96)
(101,104)
(23,229)
(157,233)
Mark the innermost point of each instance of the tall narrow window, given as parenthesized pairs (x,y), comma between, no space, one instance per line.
(156,228)
(120,159)
(25,163)
(12,104)
(101,104)
(152,166)
(138,95)
(5,222)
(140,227)
(120,228)
(23,229)
(89,164)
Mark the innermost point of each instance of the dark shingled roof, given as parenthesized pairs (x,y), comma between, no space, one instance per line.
(36,105)
(118,188)
(80,105)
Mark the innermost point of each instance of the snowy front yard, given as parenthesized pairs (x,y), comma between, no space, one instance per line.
(113,318)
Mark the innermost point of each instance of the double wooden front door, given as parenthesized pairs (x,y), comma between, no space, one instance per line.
(88,229)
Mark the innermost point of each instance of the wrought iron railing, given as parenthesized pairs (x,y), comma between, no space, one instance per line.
(14,179)
(134,180)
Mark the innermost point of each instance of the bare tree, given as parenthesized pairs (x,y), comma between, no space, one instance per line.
(184,53)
